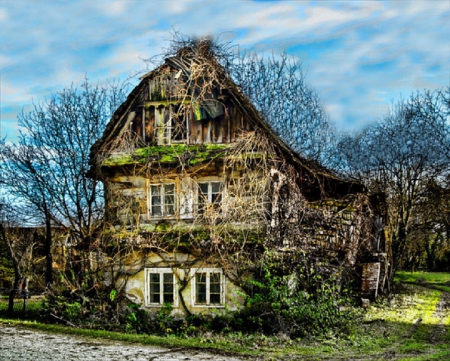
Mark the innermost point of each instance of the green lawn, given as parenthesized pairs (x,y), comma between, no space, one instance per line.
(437,280)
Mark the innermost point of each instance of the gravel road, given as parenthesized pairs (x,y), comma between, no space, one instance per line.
(20,344)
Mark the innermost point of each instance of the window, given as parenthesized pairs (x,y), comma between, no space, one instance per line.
(162,200)
(170,124)
(209,196)
(160,287)
(208,287)
(163,125)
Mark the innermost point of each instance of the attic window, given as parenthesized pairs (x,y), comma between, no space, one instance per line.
(170,124)
(163,125)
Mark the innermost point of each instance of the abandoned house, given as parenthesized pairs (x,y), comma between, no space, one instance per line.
(198,187)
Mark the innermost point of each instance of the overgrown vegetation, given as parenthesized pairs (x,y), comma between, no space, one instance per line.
(404,325)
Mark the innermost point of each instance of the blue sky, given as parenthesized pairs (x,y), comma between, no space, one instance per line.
(359,56)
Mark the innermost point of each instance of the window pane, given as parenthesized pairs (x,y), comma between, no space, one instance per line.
(169,205)
(200,288)
(216,199)
(156,190)
(204,188)
(156,211)
(156,200)
(168,288)
(154,288)
(169,189)
(214,288)
(202,197)
(214,299)
(215,187)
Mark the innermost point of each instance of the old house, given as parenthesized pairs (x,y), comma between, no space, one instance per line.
(198,187)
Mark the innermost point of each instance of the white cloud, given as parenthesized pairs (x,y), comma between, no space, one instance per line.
(3,14)
(13,93)
(115,7)
(349,41)
(5,61)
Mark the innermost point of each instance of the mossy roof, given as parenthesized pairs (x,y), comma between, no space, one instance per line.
(190,154)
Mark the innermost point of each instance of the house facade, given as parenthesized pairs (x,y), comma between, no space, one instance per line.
(198,187)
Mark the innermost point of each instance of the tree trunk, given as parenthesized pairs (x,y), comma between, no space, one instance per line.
(48,251)
(16,267)
(15,289)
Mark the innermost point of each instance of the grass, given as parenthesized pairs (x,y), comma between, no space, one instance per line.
(401,326)
(437,280)
(33,305)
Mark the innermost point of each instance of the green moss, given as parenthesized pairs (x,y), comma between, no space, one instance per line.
(117,160)
(168,154)
(163,227)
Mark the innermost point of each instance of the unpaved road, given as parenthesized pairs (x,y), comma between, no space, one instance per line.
(20,344)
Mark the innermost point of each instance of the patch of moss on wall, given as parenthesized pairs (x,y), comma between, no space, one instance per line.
(177,235)
(168,154)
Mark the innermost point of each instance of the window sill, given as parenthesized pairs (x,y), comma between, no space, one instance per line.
(209,306)
(174,306)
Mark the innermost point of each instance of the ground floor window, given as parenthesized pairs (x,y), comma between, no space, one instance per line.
(207,287)
(161,287)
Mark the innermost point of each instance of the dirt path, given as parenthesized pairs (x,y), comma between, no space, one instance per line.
(18,343)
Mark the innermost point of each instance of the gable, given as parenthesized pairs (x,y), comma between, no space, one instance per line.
(189,102)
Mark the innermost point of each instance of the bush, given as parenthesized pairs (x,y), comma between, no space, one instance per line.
(284,305)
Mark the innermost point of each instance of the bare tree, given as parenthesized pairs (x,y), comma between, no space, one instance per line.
(276,86)
(24,176)
(400,156)
(19,247)
(47,169)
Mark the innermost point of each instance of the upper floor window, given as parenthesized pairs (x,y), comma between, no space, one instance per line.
(162,200)
(209,196)
(160,287)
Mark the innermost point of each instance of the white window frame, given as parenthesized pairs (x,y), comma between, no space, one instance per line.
(208,272)
(162,196)
(161,272)
(209,193)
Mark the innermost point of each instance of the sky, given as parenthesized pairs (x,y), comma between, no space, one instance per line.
(361,57)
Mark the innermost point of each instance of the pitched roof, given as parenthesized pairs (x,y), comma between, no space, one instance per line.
(186,59)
